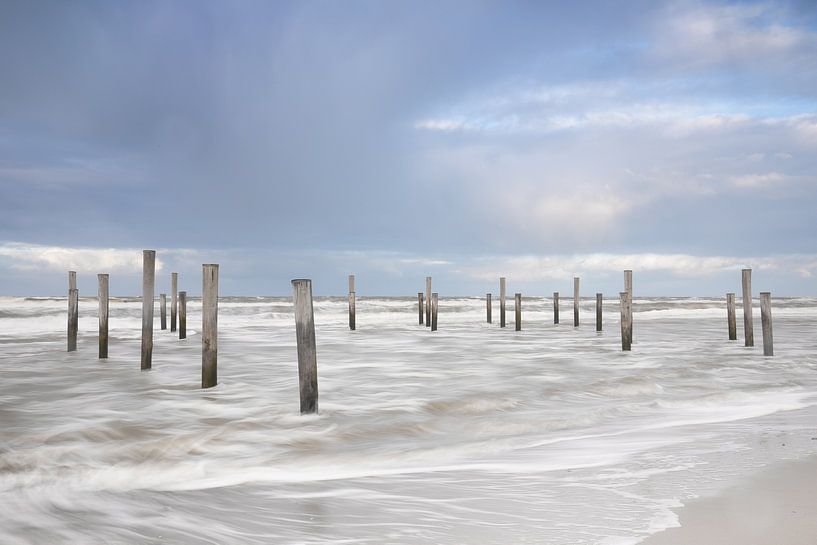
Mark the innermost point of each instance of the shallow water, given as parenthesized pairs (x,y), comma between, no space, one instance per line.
(471,434)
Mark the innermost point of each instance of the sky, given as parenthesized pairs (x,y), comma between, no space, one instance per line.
(395,140)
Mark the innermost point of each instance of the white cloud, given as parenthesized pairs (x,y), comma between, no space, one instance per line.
(33,257)
(758,181)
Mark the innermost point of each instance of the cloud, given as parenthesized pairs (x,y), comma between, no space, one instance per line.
(758,181)
(32,257)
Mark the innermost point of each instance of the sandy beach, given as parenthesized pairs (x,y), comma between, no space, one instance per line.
(777,505)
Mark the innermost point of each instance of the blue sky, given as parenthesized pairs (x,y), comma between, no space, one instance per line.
(465,140)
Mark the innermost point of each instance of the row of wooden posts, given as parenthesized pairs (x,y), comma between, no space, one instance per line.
(305,323)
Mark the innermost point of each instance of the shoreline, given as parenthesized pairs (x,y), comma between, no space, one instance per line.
(777,504)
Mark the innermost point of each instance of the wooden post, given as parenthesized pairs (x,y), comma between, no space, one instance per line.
(502,301)
(428,301)
(576,301)
(209,325)
(517,311)
(148,278)
(730,316)
(182,314)
(163,310)
(420,306)
(628,287)
(73,311)
(73,318)
(748,329)
(766,322)
(352,302)
(434,307)
(488,306)
(305,335)
(626,321)
(555,307)
(599,300)
(103,315)
(174,302)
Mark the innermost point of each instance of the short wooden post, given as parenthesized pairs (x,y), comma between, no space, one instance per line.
(488,306)
(766,322)
(517,311)
(103,315)
(209,325)
(73,311)
(428,301)
(174,301)
(148,279)
(555,307)
(420,306)
(352,302)
(748,329)
(576,301)
(628,287)
(305,335)
(626,321)
(163,310)
(182,314)
(599,300)
(73,318)
(502,301)
(730,316)
(434,307)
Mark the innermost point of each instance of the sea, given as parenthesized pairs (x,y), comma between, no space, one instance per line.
(471,434)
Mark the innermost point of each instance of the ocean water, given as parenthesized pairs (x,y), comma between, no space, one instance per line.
(470,434)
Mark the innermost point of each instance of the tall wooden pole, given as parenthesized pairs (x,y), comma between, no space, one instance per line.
(307,354)
(428,301)
(599,301)
(163,311)
(148,280)
(488,306)
(628,287)
(766,322)
(174,301)
(103,315)
(434,308)
(576,301)
(73,311)
(209,325)
(502,301)
(626,319)
(748,329)
(182,315)
(517,311)
(352,302)
(420,306)
(555,307)
(730,316)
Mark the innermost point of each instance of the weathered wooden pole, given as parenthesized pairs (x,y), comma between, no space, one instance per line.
(626,321)
(434,307)
(73,318)
(555,307)
(502,301)
(517,311)
(73,311)
(488,307)
(599,300)
(352,302)
(766,322)
(103,315)
(628,287)
(730,316)
(182,314)
(174,302)
(420,306)
(209,325)
(576,301)
(163,310)
(428,301)
(748,329)
(148,279)
(305,335)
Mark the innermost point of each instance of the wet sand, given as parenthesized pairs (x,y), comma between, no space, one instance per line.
(777,506)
